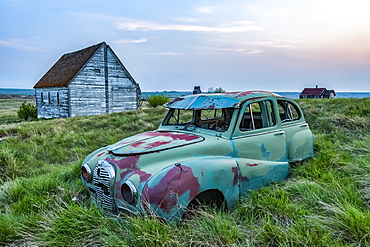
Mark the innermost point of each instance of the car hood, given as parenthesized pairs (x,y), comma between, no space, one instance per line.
(152,141)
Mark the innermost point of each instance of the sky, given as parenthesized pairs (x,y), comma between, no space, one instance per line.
(273,45)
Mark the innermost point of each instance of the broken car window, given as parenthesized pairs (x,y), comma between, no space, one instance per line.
(257,115)
(180,117)
(287,111)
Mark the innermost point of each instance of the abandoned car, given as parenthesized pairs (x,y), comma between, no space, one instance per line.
(208,148)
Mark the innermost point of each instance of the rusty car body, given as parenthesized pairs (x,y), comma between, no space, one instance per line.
(208,148)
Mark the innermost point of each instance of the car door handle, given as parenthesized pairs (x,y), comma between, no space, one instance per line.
(279,133)
(304,125)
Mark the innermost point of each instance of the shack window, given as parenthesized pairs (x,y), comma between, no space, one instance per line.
(58,99)
(44,97)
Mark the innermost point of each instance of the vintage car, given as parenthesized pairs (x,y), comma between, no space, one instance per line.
(208,148)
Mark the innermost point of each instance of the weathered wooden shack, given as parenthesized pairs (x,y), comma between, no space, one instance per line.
(90,81)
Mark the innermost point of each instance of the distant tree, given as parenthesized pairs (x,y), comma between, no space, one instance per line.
(210,90)
(217,90)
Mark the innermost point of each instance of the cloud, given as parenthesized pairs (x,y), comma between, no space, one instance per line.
(231,27)
(236,50)
(205,9)
(19,46)
(275,44)
(241,50)
(142,40)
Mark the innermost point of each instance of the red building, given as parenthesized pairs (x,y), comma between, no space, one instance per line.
(317,93)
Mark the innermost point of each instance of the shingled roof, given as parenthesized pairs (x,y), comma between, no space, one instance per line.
(63,71)
(313,91)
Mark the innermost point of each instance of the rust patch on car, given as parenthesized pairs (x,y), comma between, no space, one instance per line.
(235,170)
(127,166)
(100,154)
(175,183)
(174,135)
(150,145)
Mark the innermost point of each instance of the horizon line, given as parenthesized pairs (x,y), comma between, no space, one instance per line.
(207,91)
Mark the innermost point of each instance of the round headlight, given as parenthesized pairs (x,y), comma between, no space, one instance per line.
(129,192)
(86,172)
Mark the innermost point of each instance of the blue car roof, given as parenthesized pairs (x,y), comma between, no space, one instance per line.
(217,100)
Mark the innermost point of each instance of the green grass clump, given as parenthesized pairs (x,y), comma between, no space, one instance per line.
(27,111)
(324,202)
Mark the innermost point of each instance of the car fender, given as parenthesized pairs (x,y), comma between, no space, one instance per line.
(301,145)
(168,193)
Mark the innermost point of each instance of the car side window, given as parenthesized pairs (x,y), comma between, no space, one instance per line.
(258,115)
(181,117)
(287,111)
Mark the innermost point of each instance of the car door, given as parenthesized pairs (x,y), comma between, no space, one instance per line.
(257,134)
(260,145)
(297,132)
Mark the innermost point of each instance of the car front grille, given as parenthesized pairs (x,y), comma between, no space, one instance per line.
(103,179)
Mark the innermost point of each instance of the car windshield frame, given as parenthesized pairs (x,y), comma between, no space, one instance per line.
(216,120)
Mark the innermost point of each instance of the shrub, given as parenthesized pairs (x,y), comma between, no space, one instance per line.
(27,111)
(217,90)
(156,100)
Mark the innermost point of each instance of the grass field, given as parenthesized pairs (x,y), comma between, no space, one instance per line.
(8,109)
(324,202)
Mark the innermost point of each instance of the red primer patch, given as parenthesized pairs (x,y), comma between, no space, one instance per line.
(150,144)
(175,183)
(174,136)
(100,154)
(128,165)
(125,143)
(235,170)
(157,144)
(137,144)
(245,93)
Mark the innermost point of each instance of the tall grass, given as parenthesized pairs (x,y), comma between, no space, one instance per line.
(324,202)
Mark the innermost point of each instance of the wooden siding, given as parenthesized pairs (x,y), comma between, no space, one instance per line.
(102,86)
(86,90)
(52,102)
(123,94)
